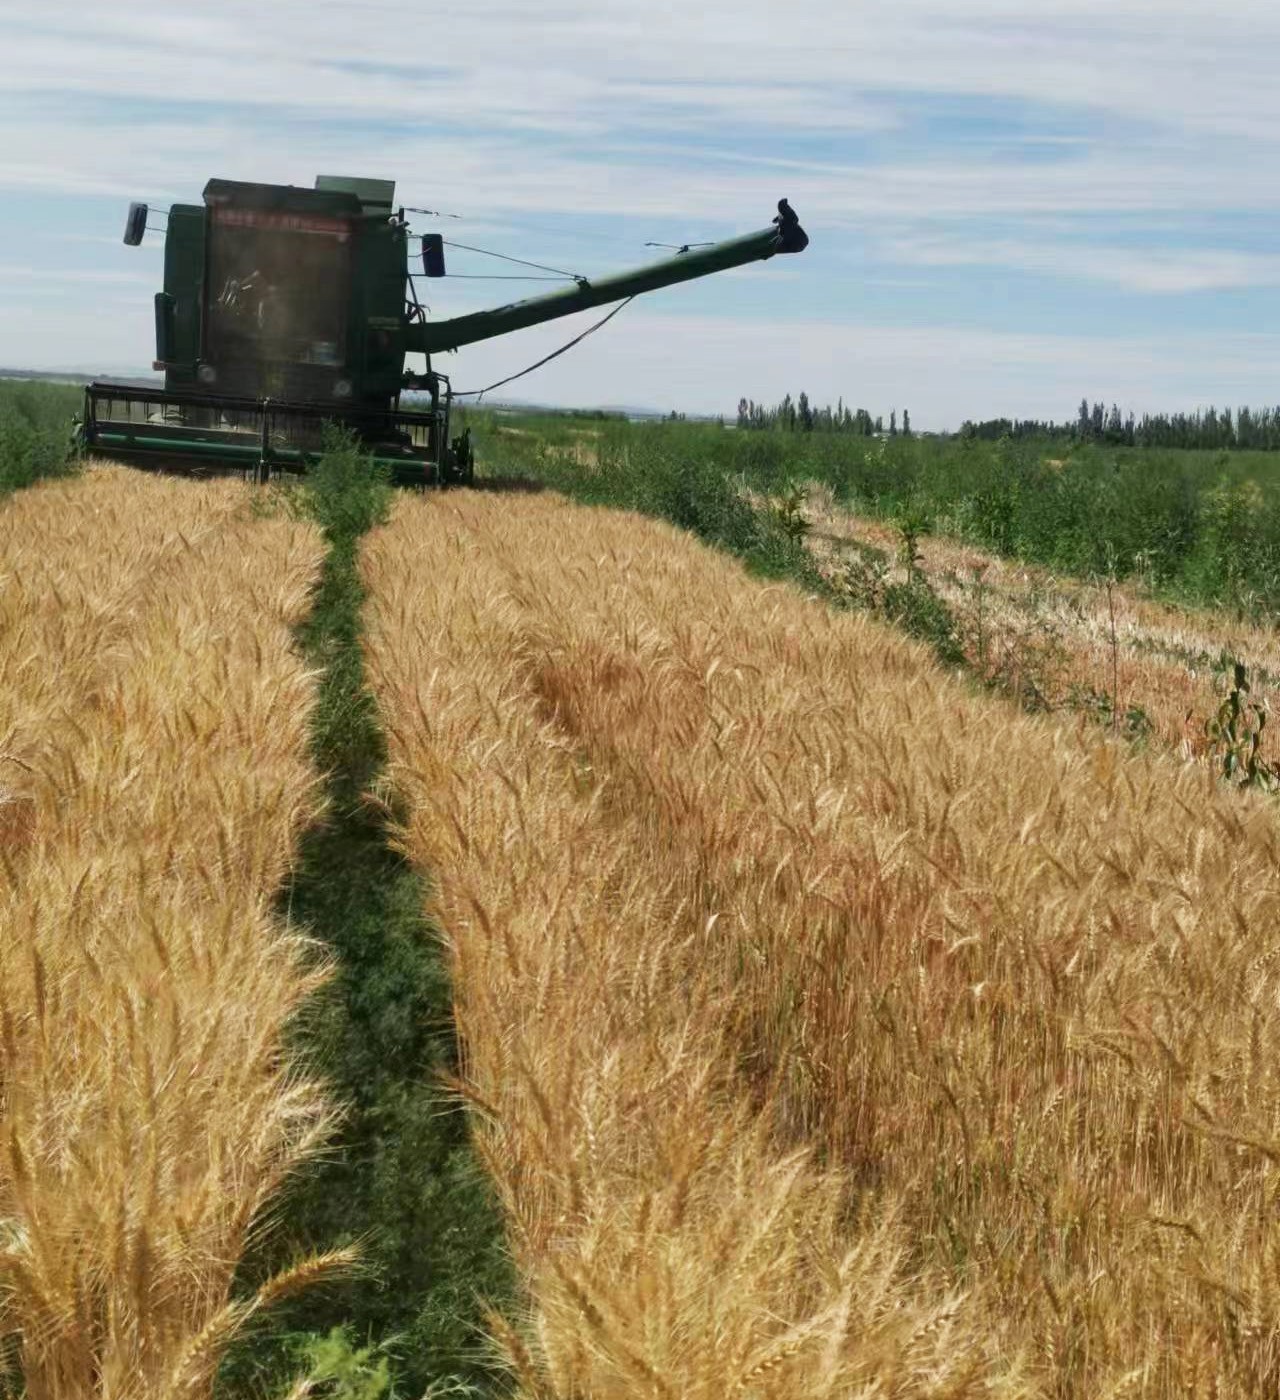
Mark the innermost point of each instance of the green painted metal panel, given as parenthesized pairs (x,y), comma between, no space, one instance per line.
(379,315)
(184,284)
(282,199)
(431,337)
(375,196)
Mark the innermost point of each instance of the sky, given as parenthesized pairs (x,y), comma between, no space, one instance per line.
(1013,204)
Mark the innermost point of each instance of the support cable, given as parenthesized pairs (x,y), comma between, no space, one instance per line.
(523,262)
(478,394)
(501,277)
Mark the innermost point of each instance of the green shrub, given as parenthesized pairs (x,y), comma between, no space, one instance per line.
(337,1369)
(36,437)
(1202,525)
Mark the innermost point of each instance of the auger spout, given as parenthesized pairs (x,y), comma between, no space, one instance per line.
(783,236)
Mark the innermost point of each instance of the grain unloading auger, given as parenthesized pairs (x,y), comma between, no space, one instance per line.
(286,308)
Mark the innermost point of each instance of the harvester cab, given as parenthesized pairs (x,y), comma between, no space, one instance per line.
(285,309)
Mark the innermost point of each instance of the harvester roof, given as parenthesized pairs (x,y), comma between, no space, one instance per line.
(333,194)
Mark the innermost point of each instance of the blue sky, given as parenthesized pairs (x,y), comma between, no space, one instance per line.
(1011,205)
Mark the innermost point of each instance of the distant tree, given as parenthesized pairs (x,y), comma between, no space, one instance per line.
(893,422)
(805,413)
(906,423)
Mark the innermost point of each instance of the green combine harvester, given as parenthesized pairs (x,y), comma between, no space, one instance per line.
(285,309)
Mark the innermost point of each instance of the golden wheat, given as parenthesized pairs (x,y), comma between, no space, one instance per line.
(1069,642)
(155,715)
(711,855)
(671,1245)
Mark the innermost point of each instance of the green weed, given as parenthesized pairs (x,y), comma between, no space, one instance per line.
(400,1180)
(1235,734)
(36,439)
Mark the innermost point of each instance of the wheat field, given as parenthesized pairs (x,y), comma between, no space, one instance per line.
(154,780)
(1066,643)
(830,1029)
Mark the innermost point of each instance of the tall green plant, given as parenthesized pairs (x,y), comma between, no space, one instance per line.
(1235,734)
(36,438)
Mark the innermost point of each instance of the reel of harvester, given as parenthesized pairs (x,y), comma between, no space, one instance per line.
(288,309)
(202,433)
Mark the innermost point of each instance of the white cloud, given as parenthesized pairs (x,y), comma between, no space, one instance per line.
(942,374)
(1182,64)
(580,71)
(1152,270)
(18,273)
(689,120)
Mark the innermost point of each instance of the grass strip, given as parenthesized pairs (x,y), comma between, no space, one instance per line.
(400,1180)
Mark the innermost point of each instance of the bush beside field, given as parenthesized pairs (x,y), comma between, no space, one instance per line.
(35,431)
(1201,526)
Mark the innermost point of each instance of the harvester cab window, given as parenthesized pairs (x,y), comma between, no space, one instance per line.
(279,288)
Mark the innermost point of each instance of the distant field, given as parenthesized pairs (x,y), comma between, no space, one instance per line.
(1202,526)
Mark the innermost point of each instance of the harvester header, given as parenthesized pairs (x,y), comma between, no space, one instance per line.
(284,308)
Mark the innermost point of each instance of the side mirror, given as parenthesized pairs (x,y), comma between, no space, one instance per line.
(433,254)
(135,225)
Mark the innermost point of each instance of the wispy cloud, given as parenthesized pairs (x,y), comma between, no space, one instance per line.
(942,374)
(1150,270)
(17,273)
(1086,146)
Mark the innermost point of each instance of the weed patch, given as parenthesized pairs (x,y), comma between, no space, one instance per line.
(35,432)
(400,1181)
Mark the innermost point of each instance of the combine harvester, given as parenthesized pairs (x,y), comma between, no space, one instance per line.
(286,308)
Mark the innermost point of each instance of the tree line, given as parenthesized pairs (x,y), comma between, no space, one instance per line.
(801,416)
(1247,429)
(1212,428)
(1244,429)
